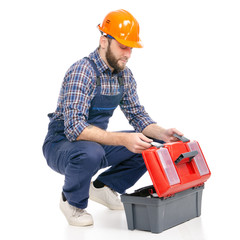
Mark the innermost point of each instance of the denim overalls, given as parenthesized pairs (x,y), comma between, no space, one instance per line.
(80,160)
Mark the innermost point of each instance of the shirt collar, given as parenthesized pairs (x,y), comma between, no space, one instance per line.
(101,65)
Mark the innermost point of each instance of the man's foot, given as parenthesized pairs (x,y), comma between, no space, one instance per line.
(75,216)
(105,196)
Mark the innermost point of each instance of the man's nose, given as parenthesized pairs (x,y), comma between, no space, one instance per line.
(128,52)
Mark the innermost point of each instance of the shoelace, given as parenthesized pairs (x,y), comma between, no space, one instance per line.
(77,212)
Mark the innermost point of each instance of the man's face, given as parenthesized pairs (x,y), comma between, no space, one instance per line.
(117,55)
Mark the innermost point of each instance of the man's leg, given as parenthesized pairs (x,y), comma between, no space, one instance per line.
(126,168)
(78,161)
(81,163)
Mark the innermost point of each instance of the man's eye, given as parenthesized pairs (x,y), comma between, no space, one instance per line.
(125,47)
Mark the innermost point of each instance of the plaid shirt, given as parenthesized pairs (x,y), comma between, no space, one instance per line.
(79,88)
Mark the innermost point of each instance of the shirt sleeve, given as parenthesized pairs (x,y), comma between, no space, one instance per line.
(131,107)
(78,89)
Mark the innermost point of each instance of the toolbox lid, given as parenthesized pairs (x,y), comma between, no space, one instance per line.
(176,166)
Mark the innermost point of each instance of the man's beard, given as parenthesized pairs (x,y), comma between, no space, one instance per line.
(113,61)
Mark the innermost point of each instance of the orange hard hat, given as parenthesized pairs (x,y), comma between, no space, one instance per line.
(122,26)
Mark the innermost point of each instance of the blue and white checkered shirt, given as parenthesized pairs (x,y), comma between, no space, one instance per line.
(79,88)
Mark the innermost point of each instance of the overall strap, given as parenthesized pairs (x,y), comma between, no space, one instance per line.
(120,79)
(95,69)
(120,75)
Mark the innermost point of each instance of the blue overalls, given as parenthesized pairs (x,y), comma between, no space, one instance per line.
(80,160)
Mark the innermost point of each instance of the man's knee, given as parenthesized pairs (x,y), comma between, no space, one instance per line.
(90,156)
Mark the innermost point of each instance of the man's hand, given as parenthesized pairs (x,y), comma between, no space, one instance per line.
(167,135)
(155,131)
(136,142)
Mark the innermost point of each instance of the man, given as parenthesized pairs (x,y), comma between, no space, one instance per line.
(78,144)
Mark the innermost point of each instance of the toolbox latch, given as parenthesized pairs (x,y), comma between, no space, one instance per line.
(168,196)
(157,145)
(198,186)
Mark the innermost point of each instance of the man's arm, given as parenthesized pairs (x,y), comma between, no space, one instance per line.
(135,142)
(131,107)
(157,132)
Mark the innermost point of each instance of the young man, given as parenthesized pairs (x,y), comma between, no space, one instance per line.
(78,144)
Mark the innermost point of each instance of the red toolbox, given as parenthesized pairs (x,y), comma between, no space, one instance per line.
(177,166)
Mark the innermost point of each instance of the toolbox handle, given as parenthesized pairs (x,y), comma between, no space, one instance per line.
(181,138)
(189,155)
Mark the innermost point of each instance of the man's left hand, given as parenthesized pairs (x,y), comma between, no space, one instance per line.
(167,135)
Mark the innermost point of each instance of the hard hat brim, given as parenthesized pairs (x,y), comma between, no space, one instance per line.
(131,44)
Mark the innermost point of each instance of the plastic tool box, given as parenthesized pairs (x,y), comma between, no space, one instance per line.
(150,213)
(178,171)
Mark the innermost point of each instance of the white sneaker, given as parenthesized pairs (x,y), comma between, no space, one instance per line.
(75,216)
(105,196)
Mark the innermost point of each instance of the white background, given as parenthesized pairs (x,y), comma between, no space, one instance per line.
(187,75)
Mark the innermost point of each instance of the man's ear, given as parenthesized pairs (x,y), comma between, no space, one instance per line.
(103,42)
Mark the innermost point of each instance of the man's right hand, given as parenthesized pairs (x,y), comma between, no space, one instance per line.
(136,142)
